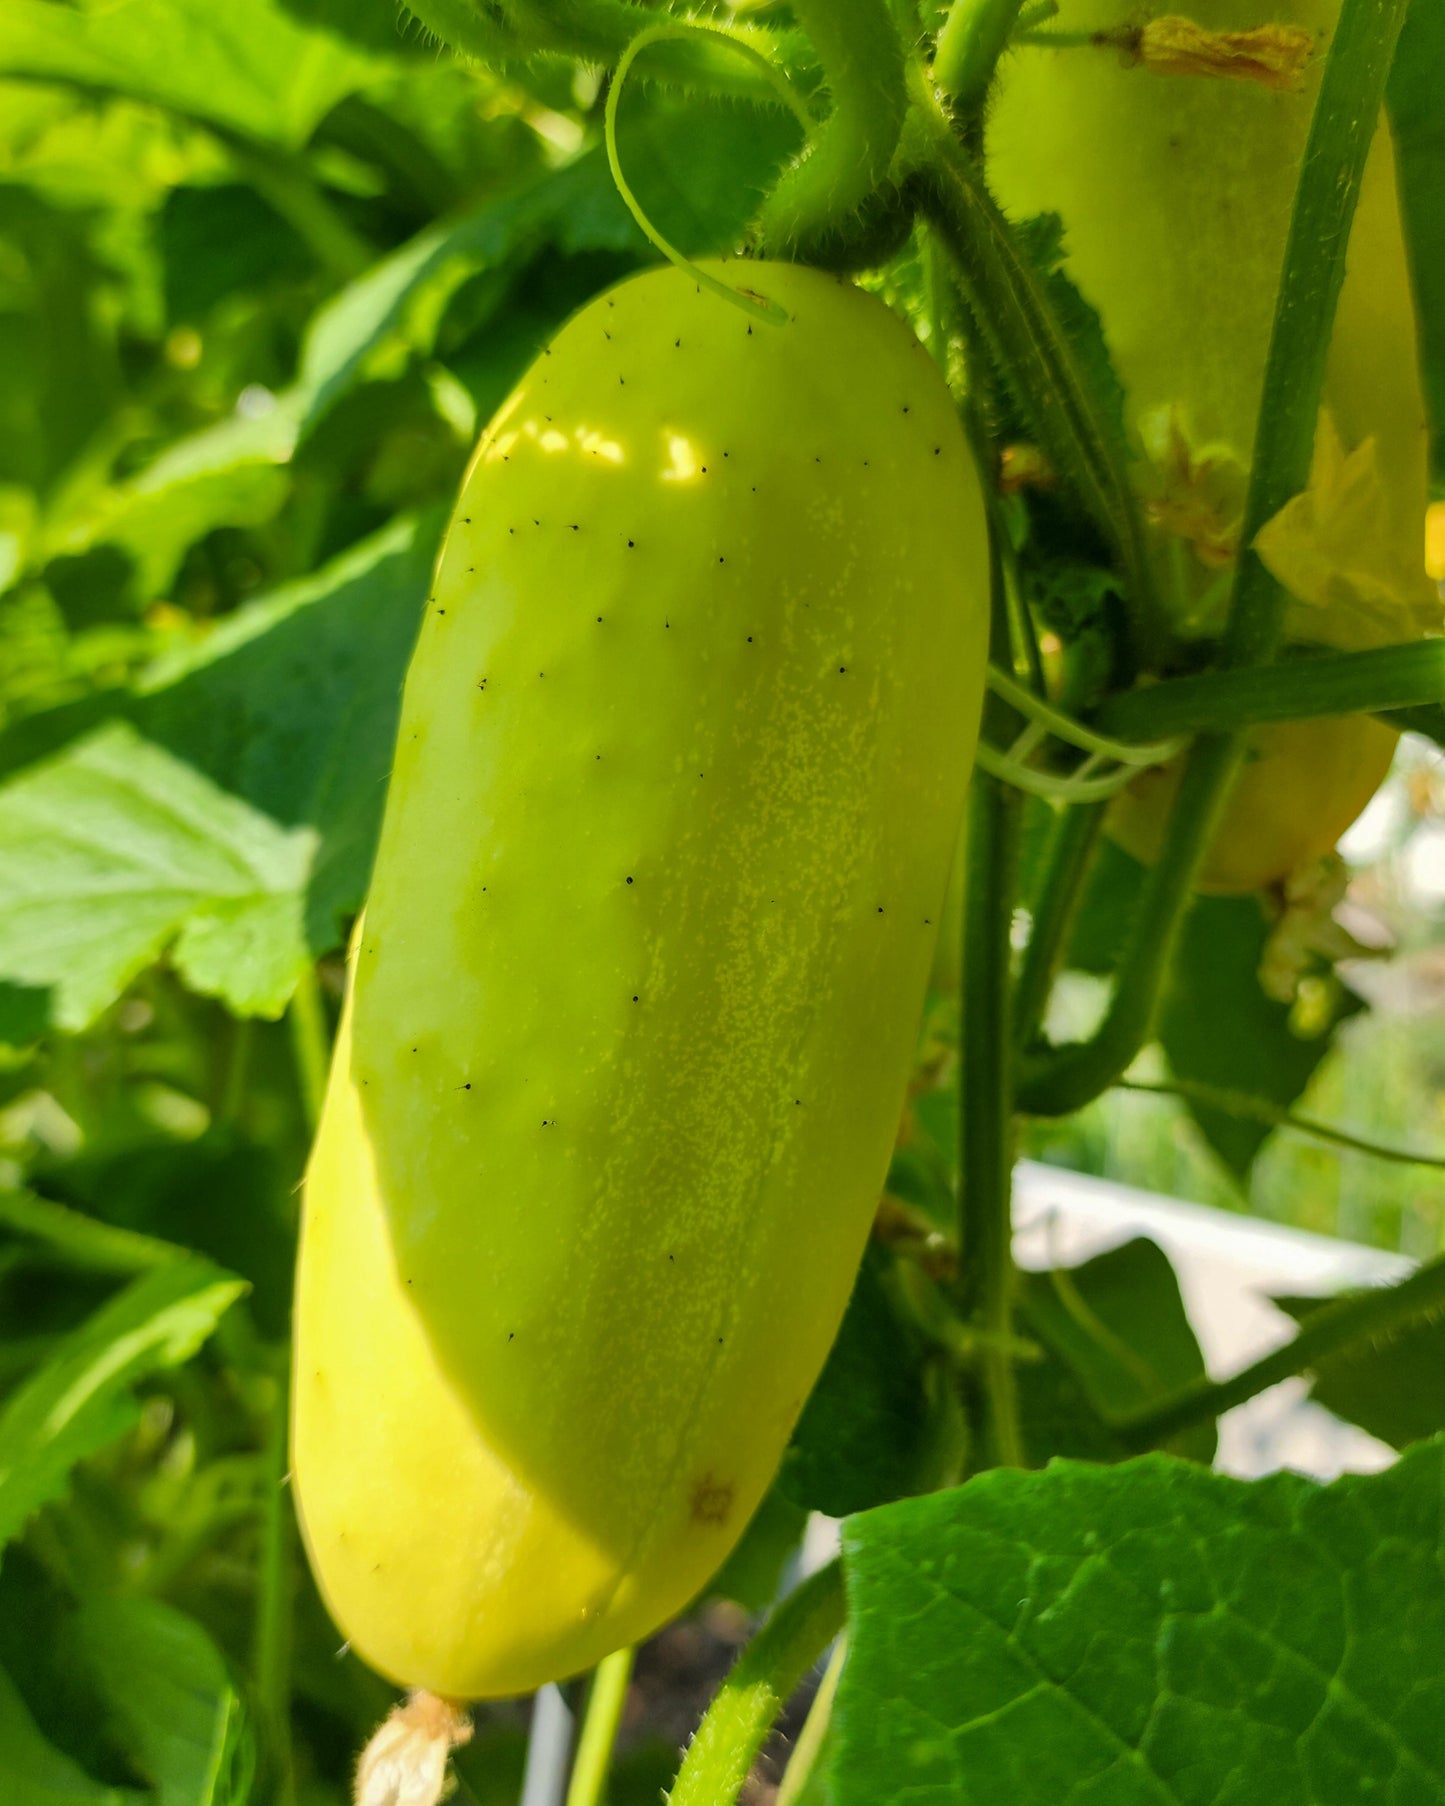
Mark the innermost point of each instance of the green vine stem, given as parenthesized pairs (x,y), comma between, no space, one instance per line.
(1258,1109)
(815,1727)
(1016,322)
(763,1680)
(1297,689)
(1346,115)
(274,1595)
(232,1088)
(746,299)
(592,31)
(84,1241)
(863,69)
(310,1044)
(936,299)
(1056,895)
(605,1701)
(984,1289)
(986,1282)
(968,48)
(1345,1322)
(1058,1081)
(1108,767)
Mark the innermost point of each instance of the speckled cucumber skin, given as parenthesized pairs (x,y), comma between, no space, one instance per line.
(1175,193)
(681,763)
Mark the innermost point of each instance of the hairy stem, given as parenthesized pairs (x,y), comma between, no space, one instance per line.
(764,1678)
(274,1596)
(1344,1322)
(986,1282)
(1016,322)
(310,1044)
(1258,1109)
(968,48)
(591,31)
(1070,850)
(1298,689)
(850,154)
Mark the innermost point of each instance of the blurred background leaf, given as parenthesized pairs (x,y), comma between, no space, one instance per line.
(80,1399)
(1114,1337)
(38,1775)
(174,1703)
(1394,1387)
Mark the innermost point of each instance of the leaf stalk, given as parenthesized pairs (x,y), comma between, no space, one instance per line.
(764,1678)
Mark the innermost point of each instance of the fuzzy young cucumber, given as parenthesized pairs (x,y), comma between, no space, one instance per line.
(680,767)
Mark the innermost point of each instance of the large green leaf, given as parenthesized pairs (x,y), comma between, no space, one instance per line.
(59,376)
(292,706)
(251,66)
(81,1399)
(231,813)
(221,1196)
(178,1711)
(35,1774)
(1219,1028)
(1217,1025)
(1115,1337)
(231,474)
(114,850)
(1393,1386)
(700,170)
(371,328)
(864,1434)
(1148,1635)
(73,1239)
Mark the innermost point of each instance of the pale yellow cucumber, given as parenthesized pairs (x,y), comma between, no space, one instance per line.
(680,768)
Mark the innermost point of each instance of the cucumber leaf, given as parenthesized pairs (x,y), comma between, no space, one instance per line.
(1146,1634)
(177,1709)
(37,1774)
(1393,1387)
(1115,1338)
(81,1398)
